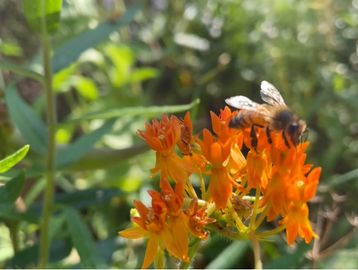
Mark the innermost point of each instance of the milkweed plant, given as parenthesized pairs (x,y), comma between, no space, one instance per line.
(240,188)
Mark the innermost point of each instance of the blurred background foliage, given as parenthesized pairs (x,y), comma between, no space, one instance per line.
(111,77)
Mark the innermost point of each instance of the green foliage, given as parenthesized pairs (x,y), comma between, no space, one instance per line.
(33,10)
(82,240)
(11,160)
(30,125)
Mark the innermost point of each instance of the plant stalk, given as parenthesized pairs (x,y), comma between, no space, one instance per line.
(51,150)
(257,251)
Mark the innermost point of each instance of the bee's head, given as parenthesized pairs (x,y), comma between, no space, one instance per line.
(295,130)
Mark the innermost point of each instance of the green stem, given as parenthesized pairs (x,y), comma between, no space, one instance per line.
(14,229)
(254,213)
(51,151)
(257,251)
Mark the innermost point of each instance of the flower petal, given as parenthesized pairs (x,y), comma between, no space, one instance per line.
(133,233)
(151,251)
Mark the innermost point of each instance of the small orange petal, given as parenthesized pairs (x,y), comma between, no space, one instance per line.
(151,251)
(133,233)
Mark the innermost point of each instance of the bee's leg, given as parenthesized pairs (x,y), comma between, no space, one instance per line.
(268,134)
(253,137)
(285,139)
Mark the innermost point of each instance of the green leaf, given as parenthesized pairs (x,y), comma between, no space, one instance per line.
(86,198)
(12,189)
(143,74)
(85,87)
(34,11)
(10,161)
(133,111)
(8,212)
(30,125)
(230,256)
(82,146)
(27,257)
(21,70)
(290,259)
(82,240)
(70,51)
(123,59)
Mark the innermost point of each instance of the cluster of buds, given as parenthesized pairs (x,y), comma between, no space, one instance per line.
(240,186)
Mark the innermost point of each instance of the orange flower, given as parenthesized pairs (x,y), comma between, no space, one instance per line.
(186,135)
(218,155)
(164,224)
(220,125)
(162,136)
(297,223)
(258,169)
(198,219)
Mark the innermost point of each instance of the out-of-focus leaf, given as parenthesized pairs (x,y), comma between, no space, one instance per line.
(61,80)
(9,48)
(86,198)
(35,10)
(27,258)
(230,256)
(123,59)
(82,146)
(30,125)
(21,70)
(12,189)
(70,51)
(8,212)
(10,161)
(133,111)
(82,240)
(291,260)
(80,199)
(104,158)
(85,87)
(341,259)
(343,178)
(143,74)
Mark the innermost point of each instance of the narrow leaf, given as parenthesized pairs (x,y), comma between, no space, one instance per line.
(82,146)
(230,256)
(27,257)
(134,111)
(82,240)
(10,161)
(70,51)
(12,189)
(8,212)
(21,70)
(34,11)
(30,125)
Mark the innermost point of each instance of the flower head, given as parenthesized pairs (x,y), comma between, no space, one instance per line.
(162,136)
(164,224)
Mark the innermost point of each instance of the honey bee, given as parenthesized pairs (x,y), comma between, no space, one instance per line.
(274,115)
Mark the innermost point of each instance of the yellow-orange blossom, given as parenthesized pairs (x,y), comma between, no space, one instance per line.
(285,183)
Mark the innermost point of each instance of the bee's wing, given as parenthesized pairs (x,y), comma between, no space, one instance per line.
(270,94)
(242,102)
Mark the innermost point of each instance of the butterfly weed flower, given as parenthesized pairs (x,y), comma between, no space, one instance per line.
(254,168)
(162,136)
(163,224)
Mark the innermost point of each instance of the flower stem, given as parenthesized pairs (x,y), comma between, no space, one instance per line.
(241,226)
(271,232)
(257,251)
(256,207)
(51,151)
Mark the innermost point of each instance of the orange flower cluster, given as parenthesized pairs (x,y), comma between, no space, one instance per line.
(281,180)
(166,224)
